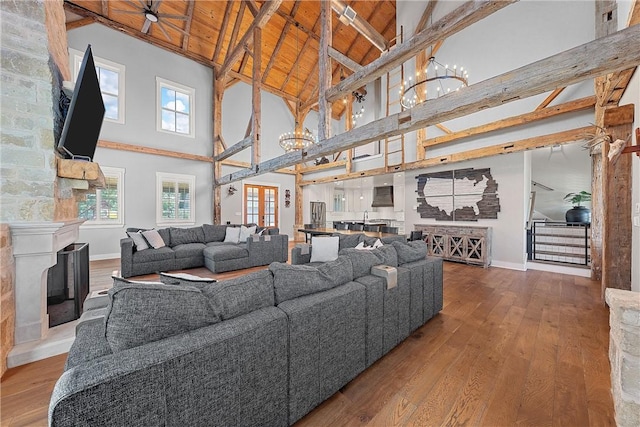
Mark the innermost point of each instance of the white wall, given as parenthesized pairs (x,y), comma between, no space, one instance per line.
(512,173)
(143,63)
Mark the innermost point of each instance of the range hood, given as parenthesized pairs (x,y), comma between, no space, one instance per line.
(382,197)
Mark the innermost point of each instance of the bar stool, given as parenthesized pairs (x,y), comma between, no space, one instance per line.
(356,227)
(308,235)
(340,225)
(415,235)
(390,230)
(371,228)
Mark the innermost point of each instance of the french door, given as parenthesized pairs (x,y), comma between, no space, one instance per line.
(261,205)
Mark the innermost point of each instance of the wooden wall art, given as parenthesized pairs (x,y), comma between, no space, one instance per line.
(458,195)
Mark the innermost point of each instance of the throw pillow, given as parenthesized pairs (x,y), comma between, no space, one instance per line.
(232,235)
(245,232)
(324,248)
(138,240)
(143,313)
(181,236)
(361,247)
(154,238)
(213,232)
(118,281)
(377,244)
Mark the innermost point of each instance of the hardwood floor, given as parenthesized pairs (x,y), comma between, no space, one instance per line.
(509,348)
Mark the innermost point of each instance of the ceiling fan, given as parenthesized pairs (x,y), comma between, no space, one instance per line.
(150,11)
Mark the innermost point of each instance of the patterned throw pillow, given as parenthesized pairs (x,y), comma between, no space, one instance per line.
(154,238)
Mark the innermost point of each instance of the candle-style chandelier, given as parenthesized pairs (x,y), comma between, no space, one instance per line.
(298,139)
(432,82)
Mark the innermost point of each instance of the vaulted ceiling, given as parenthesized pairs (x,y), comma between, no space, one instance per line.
(208,30)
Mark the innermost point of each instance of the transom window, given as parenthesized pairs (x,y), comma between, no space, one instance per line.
(106,205)
(111,76)
(175,109)
(175,198)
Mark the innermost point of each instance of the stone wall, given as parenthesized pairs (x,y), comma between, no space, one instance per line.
(7,308)
(34,62)
(624,354)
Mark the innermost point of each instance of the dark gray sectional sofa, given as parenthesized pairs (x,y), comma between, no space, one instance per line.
(263,349)
(202,246)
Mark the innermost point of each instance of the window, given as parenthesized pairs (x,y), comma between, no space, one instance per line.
(106,205)
(175,198)
(175,108)
(339,200)
(261,205)
(111,76)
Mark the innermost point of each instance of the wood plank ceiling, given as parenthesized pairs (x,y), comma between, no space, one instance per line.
(205,30)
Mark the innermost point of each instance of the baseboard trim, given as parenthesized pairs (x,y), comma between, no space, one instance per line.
(561,269)
(102,257)
(509,265)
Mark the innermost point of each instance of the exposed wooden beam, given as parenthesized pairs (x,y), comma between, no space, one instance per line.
(424,19)
(444,129)
(283,35)
(294,67)
(270,89)
(252,6)
(104,5)
(324,166)
(344,59)
(223,30)
(558,138)
(79,23)
(246,165)
(289,18)
(568,107)
(256,90)
(187,28)
(550,98)
(149,150)
(465,15)
(266,11)
(324,68)
(234,35)
(604,55)
(234,149)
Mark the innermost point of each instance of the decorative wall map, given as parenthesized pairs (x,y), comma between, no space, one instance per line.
(458,195)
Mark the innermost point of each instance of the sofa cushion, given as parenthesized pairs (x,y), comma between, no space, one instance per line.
(410,251)
(242,295)
(214,232)
(324,248)
(149,255)
(165,233)
(362,261)
(189,250)
(185,279)
(226,252)
(138,240)
(143,313)
(181,236)
(232,235)
(292,281)
(349,240)
(154,238)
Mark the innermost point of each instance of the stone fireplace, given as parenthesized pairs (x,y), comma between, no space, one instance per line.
(39,208)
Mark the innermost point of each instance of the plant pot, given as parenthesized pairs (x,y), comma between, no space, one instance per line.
(578,214)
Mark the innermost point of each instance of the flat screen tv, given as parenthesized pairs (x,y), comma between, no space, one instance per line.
(85,114)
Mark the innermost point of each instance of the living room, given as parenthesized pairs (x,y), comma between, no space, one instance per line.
(145,68)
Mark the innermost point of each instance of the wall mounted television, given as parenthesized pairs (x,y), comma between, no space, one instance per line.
(84,117)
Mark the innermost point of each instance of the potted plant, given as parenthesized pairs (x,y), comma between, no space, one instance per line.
(578,213)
